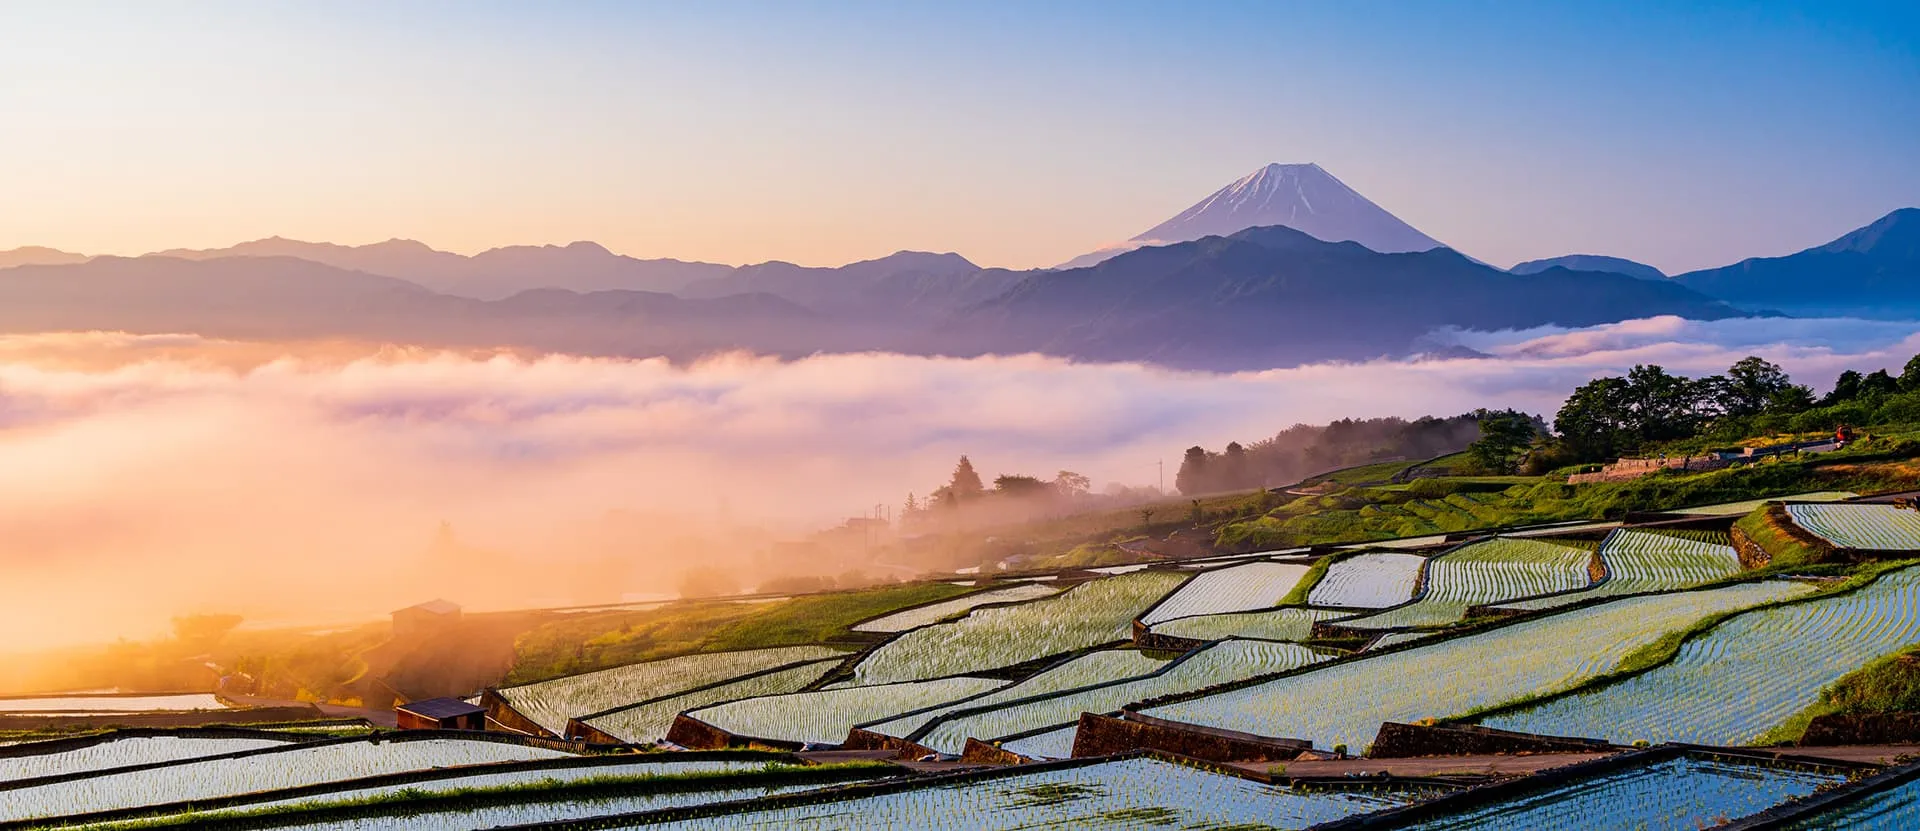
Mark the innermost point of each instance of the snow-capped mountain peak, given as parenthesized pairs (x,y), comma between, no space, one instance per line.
(1304,197)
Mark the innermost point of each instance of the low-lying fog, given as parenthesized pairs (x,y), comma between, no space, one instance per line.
(143,477)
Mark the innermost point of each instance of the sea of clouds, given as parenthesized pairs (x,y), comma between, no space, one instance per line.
(157,474)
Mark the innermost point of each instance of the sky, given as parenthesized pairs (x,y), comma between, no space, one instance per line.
(1018,134)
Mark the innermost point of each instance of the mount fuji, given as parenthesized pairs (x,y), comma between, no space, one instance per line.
(1303,197)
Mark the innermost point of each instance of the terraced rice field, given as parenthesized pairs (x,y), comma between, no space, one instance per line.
(1895,809)
(1087,615)
(1127,794)
(110,704)
(637,770)
(1745,676)
(550,703)
(1217,664)
(1681,794)
(116,753)
(1865,527)
(906,619)
(1748,506)
(1486,572)
(1232,589)
(1053,744)
(1374,580)
(1397,638)
(1104,666)
(269,770)
(1644,561)
(649,722)
(1274,625)
(825,716)
(1345,703)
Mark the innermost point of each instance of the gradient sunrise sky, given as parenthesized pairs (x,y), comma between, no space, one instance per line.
(1018,133)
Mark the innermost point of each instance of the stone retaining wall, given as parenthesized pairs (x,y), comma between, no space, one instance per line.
(1100,735)
(1403,741)
(1877,728)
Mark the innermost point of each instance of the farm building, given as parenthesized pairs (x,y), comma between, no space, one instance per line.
(426,618)
(441,714)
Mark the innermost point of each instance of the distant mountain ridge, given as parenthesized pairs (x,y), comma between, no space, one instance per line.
(489,275)
(1304,197)
(1873,271)
(37,255)
(1272,296)
(1260,298)
(1591,262)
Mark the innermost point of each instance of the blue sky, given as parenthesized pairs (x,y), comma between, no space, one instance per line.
(1020,134)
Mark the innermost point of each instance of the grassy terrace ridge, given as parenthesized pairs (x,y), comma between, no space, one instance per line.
(1667,647)
(1357,514)
(413,799)
(1888,684)
(1770,528)
(601,641)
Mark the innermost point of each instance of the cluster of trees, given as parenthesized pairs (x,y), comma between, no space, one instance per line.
(1612,417)
(1304,449)
(965,498)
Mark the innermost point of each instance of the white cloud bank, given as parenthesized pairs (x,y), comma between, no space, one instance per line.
(146,476)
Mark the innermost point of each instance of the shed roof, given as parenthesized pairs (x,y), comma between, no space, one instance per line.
(436,606)
(440,708)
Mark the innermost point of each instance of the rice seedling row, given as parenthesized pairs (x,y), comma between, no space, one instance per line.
(115,753)
(559,808)
(1217,664)
(648,723)
(1746,675)
(1087,615)
(111,704)
(1374,580)
(1098,667)
(1680,794)
(825,716)
(1290,624)
(1053,744)
(1865,527)
(638,770)
(906,619)
(292,767)
(1641,561)
(1345,703)
(550,703)
(1486,572)
(1125,794)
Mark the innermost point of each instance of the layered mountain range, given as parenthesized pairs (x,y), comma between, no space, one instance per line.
(1284,266)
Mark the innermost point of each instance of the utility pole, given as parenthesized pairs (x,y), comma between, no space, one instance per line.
(1162,465)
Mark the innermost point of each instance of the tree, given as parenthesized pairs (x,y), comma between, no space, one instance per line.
(913,506)
(1878,383)
(1661,406)
(1015,485)
(1503,436)
(1845,388)
(1071,485)
(1192,477)
(1910,375)
(1235,473)
(1593,422)
(966,483)
(1752,386)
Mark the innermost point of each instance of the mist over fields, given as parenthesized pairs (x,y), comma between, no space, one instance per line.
(149,476)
